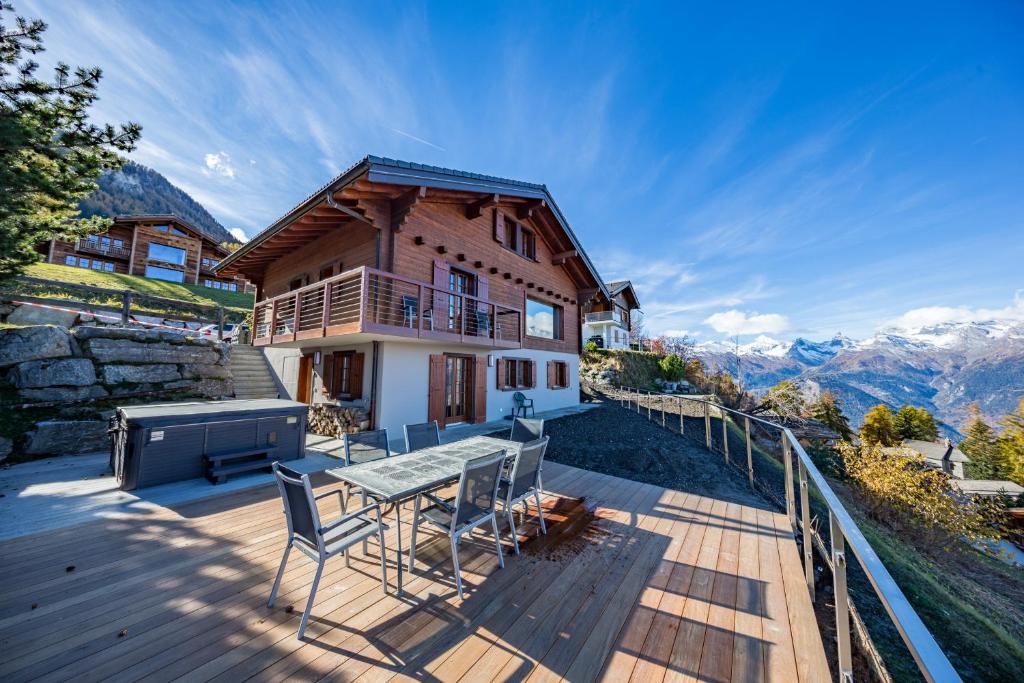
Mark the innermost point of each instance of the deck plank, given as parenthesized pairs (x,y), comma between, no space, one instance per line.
(662,585)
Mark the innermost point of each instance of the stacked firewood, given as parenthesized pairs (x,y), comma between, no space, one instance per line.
(331,420)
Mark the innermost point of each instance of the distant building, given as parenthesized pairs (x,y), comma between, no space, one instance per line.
(155,246)
(612,319)
(938,454)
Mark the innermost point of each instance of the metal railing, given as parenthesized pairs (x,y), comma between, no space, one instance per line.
(98,247)
(603,317)
(366,300)
(843,531)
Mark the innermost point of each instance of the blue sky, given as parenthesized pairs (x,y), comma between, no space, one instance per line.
(792,171)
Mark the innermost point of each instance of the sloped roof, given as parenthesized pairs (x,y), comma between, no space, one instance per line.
(398,172)
(619,286)
(932,450)
(988,487)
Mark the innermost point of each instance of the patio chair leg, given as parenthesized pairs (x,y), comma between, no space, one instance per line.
(309,603)
(412,537)
(348,562)
(383,561)
(366,545)
(512,525)
(540,513)
(280,573)
(455,562)
(497,540)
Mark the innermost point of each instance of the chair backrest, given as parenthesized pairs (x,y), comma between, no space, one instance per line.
(422,435)
(526,468)
(409,304)
(519,397)
(524,430)
(299,505)
(366,446)
(483,321)
(478,488)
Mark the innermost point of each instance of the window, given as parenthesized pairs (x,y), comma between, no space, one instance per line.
(326,272)
(161,228)
(543,320)
(216,284)
(97,265)
(83,263)
(520,240)
(119,244)
(158,273)
(295,284)
(233,287)
(70,260)
(109,267)
(461,282)
(175,231)
(558,377)
(207,283)
(162,252)
(209,262)
(516,373)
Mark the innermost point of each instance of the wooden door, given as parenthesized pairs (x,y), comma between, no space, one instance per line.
(305,383)
(458,390)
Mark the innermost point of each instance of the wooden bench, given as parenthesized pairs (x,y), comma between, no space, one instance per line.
(220,466)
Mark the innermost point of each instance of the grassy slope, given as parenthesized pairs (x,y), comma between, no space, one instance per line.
(237,303)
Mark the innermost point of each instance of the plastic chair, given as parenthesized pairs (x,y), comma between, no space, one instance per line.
(522,403)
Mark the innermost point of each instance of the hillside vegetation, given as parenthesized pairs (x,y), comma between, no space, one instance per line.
(236,304)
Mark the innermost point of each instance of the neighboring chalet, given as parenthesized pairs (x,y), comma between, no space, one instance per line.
(159,247)
(612,318)
(940,455)
(421,293)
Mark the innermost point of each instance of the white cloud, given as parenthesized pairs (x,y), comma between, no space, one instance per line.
(736,322)
(239,235)
(929,316)
(219,163)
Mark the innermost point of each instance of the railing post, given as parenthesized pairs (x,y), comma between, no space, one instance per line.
(843,651)
(273,320)
(707,425)
(725,434)
(805,522)
(650,402)
(296,312)
(419,311)
(126,306)
(325,314)
(220,323)
(638,400)
(750,457)
(621,397)
(364,300)
(682,422)
(663,410)
(787,458)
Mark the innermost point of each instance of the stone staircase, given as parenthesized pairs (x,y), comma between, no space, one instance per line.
(251,373)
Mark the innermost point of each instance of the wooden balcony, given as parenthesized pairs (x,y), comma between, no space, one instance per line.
(369,301)
(96,247)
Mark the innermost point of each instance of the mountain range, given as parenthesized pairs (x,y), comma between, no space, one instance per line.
(136,190)
(944,368)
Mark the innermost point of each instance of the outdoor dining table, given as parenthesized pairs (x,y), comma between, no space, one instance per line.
(401,477)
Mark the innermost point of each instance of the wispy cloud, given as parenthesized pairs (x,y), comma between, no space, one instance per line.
(736,322)
(219,163)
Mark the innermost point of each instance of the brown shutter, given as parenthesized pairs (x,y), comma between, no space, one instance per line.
(499,227)
(482,287)
(355,376)
(552,379)
(328,374)
(501,374)
(480,390)
(435,390)
(533,374)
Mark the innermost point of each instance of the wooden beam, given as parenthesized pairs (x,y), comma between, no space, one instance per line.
(474,209)
(526,210)
(353,212)
(401,208)
(563,256)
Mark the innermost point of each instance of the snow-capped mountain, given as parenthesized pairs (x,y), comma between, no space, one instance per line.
(943,367)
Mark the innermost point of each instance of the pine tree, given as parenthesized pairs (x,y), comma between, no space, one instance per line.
(916,423)
(981,445)
(880,427)
(828,411)
(1011,444)
(50,153)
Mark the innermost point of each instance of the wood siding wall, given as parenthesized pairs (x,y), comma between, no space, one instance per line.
(353,245)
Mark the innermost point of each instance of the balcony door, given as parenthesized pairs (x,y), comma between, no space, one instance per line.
(459,282)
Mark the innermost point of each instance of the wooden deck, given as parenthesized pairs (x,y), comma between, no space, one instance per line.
(637,583)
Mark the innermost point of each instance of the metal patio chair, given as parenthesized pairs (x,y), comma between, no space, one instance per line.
(366,446)
(521,403)
(423,435)
(523,484)
(525,430)
(473,505)
(410,307)
(319,541)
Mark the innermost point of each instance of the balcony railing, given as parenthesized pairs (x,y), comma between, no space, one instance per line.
(97,247)
(603,317)
(370,301)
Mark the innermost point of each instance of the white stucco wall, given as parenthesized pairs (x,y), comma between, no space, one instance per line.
(605,332)
(284,366)
(405,369)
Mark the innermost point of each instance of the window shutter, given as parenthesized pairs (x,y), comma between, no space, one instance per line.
(499,227)
(482,287)
(328,375)
(533,374)
(552,378)
(355,376)
(435,390)
(480,390)
(501,374)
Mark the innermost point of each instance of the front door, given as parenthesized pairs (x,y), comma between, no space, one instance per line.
(458,389)
(305,380)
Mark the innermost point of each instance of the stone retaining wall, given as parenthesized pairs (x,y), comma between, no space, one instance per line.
(71,357)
